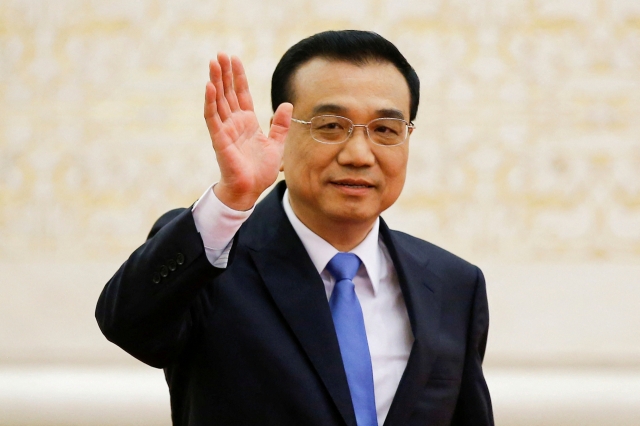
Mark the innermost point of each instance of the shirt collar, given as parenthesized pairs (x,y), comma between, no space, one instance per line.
(321,252)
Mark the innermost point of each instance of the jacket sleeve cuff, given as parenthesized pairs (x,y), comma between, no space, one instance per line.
(216,223)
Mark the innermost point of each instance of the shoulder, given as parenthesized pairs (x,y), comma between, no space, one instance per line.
(439,261)
(418,245)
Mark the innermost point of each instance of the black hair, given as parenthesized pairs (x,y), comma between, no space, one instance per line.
(358,47)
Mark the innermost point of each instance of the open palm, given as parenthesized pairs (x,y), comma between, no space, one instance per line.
(249,160)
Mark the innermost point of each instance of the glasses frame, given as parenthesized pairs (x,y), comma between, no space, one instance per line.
(410,126)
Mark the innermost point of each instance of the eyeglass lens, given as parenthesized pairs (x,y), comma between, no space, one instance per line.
(334,129)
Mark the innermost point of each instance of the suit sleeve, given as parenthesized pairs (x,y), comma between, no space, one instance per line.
(147,307)
(474,403)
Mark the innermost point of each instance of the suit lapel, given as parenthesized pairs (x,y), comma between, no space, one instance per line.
(421,291)
(298,292)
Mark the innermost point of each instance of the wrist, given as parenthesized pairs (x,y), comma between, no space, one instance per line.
(234,200)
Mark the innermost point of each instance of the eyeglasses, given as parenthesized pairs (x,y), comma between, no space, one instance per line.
(333,129)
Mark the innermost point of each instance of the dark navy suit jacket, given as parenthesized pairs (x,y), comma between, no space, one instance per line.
(254,344)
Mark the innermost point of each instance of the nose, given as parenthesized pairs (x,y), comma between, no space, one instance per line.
(356,151)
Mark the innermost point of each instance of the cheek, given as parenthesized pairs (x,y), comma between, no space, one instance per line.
(395,166)
(302,165)
(310,159)
(293,159)
(395,171)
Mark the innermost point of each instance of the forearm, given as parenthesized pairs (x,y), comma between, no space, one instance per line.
(144,308)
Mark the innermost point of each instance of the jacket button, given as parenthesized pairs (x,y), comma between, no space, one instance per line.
(171,264)
(156,278)
(164,271)
(180,258)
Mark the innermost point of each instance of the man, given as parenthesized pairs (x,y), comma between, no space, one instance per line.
(306,309)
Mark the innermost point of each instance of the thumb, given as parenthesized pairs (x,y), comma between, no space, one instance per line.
(280,122)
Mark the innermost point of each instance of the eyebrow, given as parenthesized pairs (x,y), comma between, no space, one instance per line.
(338,109)
(391,113)
(322,108)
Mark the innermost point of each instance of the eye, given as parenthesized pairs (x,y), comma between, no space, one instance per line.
(386,131)
(334,125)
(329,124)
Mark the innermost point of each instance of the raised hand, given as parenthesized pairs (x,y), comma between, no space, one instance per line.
(249,160)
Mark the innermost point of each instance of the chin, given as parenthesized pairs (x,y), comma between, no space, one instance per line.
(351,215)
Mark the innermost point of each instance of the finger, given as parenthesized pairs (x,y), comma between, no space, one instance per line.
(227,81)
(211,116)
(245,101)
(215,75)
(281,122)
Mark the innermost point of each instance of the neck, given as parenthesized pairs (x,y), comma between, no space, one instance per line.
(344,235)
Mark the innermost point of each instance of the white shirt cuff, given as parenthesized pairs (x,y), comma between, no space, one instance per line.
(217,224)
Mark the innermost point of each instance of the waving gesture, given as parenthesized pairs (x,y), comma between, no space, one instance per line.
(249,160)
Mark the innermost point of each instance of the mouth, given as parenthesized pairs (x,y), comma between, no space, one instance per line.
(353,183)
(347,185)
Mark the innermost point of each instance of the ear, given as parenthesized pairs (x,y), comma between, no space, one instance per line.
(282,160)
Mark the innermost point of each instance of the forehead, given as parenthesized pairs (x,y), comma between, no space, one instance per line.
(325,86)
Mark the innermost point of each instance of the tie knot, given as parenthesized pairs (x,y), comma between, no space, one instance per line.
(343,266)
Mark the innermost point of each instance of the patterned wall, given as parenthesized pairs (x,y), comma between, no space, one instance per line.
(528,140)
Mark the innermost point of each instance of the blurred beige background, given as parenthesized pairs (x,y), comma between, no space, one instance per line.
(526,161)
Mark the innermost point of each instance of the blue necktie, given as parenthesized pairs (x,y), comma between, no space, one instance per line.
(349,324)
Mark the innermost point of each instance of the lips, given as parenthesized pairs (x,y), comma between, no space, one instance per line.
(353,183)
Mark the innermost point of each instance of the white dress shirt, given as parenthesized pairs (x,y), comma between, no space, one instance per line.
(376,285)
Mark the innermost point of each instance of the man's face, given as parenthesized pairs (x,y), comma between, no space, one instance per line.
(351,182)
